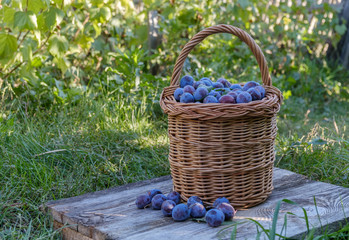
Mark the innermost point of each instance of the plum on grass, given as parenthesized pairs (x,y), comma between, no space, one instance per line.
(200,93)
(194,199)
(180,212)
(227,209)
(178,93)
(142,201)
(167,207)
(210,99)
(220,200)
(189,89)
(197,210)
(255,94)
(153,192)
(224,82)
(186,80)
(235,86)
(249,85)
(214,217)
(157,201)
(227,99)
(261,90)
(243,97)
(217,85)
(186,98)
(174,196)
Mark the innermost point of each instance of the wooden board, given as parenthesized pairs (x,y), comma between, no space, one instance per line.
(112,214)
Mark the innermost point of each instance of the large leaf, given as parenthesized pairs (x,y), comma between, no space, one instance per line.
(53,17)
(25,20)
(9,14)
(36,5)
(58,45)
(8,46)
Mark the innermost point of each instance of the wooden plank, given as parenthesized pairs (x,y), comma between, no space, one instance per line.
(68,233)
(111,214)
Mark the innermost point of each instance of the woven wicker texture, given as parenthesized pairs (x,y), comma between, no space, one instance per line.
(219,149)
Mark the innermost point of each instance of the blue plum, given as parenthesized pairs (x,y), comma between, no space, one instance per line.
(142,201)
(255,94)
(220,200)
(249,85)
(243,97)
(215,94)
(235,86)
(207,83)
(227,209)
(233,94)
(189,89)
(197,210)
(180,212)
(194,199)
(157,201)
(200,93)
(153,192)
(167,207)
(214,217)
(186,80)
(227,99)
(206,79)
(186,98)
(217,85)
(210,99)
(174,196)
(178,93)
(224,82)
(261,90)
(197,84)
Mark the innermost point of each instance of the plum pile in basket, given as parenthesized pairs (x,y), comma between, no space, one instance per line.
(222,91)
(171,206)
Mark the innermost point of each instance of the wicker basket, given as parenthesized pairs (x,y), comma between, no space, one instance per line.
(218,149)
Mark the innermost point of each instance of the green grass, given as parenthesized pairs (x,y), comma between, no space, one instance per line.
(54,153)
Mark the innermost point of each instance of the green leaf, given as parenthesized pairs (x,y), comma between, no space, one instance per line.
(53,17)
(62,64)
(8,46)
(105,13)
(340,29)
(35,5)
(9,14)
(25,20)
(58,45)
(27,53)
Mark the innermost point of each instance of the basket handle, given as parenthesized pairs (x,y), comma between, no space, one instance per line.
(222,28)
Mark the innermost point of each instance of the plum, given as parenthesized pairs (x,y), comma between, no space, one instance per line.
(215,94)
(249,85)
(194,199)
(174,196)
(186,80)
(167,207)
(200,93)
(227,99)
(220,200)
(157,201)
(180,212)
(186,98)
(197,84)
(217,85)
(178,93)
(210,99)
(261,90)
(214,217)
(255,94)
(227,209)
(197,210)
(189,89)
(224,82)
(207,80)
(142,201)
(153,192)
(209,88)
(243,97)
(235,86)
(233,94)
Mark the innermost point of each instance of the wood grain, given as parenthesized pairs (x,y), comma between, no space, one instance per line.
(111,214)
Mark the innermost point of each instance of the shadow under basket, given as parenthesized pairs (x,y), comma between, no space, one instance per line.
(222,150)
